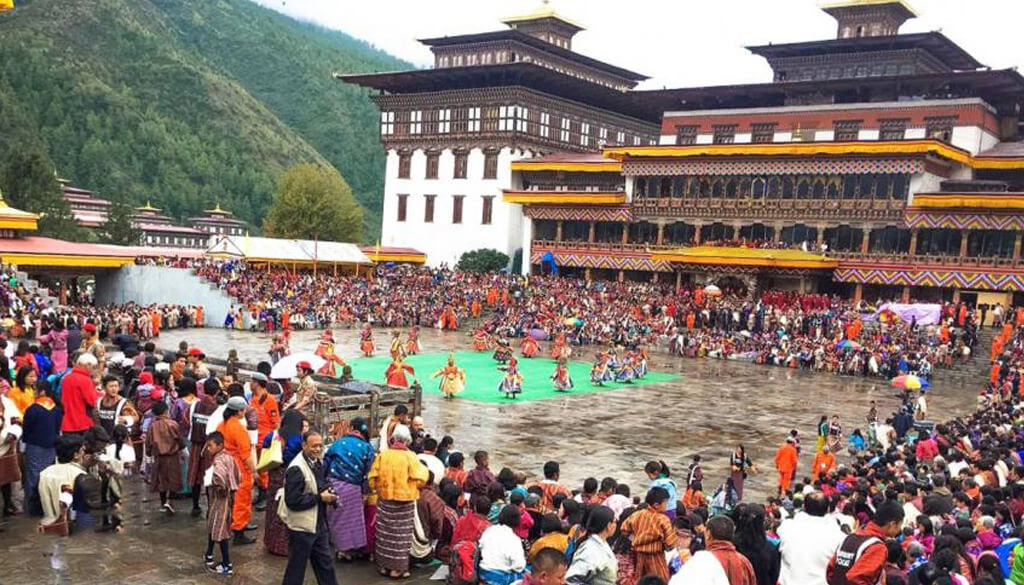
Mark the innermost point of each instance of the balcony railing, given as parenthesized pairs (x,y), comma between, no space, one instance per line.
(864,209)
(600,246)
(928,260)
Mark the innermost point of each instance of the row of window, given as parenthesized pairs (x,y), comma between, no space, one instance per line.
(512,118)
(429,204)
(175,241)
(459,170)
(218,229)
(938,127)
(887,240)
(861,186)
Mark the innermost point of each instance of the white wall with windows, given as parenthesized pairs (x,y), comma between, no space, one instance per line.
(442,240)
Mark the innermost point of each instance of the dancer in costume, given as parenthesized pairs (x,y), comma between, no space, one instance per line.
(395,375)
(627,370)
(561,377)
(512,384)
(529,347)
(448,319)
(503,352)
(325,350)
(366,341)
(560,349)
(600,373)
(453,378)
(397,349)
(642,359)
(412,345)
(480,339)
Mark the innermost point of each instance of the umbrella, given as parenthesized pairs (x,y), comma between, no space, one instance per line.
(909,382)
(847,344)
(712,291)
(285,368)
(538,334)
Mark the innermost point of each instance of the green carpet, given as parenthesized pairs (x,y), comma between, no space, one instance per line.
(483,376)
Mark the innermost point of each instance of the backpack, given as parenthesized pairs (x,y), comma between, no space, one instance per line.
(463,563)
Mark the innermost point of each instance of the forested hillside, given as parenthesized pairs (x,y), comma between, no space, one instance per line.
(186,102)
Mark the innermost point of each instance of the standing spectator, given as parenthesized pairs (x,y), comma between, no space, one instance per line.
(807,542)
(41,424)
(306,497)
(861,557)
(751,542)
(396,477)
(78,396)
(720,563)
(652,535)
(165,442)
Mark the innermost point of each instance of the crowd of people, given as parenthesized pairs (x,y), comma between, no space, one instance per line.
(915,503)
(817,332)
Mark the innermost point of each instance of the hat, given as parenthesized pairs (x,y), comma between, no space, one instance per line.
(156,394)
(259,377)
(236,403)
(146,378)
(304,365)
(195,352)
(89,328)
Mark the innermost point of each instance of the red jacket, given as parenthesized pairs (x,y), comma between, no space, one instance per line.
(78,397)
(867,569)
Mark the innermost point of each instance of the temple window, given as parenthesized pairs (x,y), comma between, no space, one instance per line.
(415,122)
(457,201)
(686,135)
(444,121)
(724,133)
(404,165)
(763,133)
(938,242)
(474,120)
(387,123)
(847,130)
(566,125)
(545,124)
(584,134)
(461,165)
(433,159)
(487,210)
(940,128)
(990,243)
(491,165)
(403,201)
(890,240)
(893,129)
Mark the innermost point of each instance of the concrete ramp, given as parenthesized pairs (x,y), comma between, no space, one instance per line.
(152,285)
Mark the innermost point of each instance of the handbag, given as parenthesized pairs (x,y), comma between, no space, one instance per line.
(271,458)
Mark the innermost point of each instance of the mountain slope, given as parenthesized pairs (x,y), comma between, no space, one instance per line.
(185,103)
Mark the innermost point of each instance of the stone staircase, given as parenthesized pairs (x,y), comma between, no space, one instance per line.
(32,286)
(975,371)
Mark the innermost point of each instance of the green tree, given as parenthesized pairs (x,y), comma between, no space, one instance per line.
(119,228)
(482,260)
(28,183)
(313,201)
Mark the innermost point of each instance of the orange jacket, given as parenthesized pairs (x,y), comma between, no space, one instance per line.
(786,458)
(823,463)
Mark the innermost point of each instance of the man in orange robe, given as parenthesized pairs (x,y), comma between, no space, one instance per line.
(786,460)
(824,462)
(237,443)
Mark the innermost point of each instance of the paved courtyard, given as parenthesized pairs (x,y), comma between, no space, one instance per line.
(708,408)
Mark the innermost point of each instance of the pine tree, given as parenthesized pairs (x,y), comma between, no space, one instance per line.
(29,183)
(119,228)
(313,201)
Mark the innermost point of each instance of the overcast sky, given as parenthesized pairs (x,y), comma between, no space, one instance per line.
(676,42)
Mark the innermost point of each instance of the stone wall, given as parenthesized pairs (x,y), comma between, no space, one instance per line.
(148,285)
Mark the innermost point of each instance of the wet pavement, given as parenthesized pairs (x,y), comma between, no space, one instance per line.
(711,407)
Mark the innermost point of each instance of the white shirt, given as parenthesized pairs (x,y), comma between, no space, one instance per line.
(703,568)
(807,544)
(434,465)
(501,550)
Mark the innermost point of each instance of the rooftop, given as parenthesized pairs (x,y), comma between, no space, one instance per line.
(545,12)
(936,43)
(901,5)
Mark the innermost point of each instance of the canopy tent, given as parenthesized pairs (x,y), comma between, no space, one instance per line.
(288,252)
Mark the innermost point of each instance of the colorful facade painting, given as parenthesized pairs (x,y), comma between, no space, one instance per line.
(821,166)
(937,278)
(988,220)
(604,259)
(604,213)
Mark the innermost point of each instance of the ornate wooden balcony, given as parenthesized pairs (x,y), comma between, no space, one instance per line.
(772,209)
(924,260)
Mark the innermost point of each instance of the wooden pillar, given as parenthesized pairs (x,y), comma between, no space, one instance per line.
(821,235)
(593,232)
(336,270)
(654,279)
(586,274)
(1016,246)
(625,233)
(679,280)
(865,240)
(963,243)
(622,276)
(777,235)
(906,294)
(558,231)
(661,236)
(736,227)
(64,291)
(696,233)
(858,293)
(803,285)
(913,243)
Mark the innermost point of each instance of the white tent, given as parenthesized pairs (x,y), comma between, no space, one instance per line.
(288,252)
